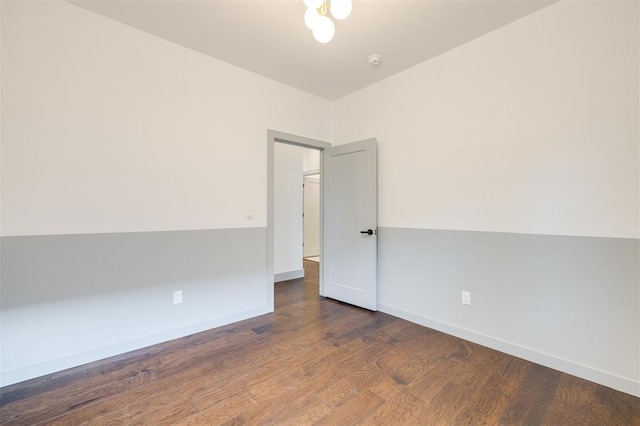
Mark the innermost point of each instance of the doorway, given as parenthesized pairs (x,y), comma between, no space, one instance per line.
(348,226)
(296,210)
(274,137)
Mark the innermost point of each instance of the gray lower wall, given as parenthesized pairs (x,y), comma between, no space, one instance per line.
(571,303)
(70,299)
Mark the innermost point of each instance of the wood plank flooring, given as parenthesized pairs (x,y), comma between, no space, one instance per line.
(315,361)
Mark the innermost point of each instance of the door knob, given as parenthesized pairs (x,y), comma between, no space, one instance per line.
(368,232)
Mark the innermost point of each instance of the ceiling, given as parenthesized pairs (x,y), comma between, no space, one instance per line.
(269,37)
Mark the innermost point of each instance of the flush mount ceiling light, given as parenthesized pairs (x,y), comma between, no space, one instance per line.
(317,20)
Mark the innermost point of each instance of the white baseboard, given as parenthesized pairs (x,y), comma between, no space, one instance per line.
(286,276)
(55,365)
(604,378)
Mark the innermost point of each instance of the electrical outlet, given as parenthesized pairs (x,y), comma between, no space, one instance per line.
(177,297)
(466,298)
(249,214)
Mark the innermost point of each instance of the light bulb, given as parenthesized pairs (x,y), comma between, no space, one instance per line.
(340,9)
(311,18)
(313,4)
(324,30)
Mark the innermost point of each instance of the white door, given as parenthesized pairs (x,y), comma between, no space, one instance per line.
(311,214)
(350,224)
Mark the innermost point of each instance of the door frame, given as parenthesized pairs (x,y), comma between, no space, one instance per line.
(273,137)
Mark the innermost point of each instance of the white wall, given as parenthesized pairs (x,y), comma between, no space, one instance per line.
(288,205)
(311,217)
(311,234)
(118,131)
(107,129)
(532,128)
(310,160)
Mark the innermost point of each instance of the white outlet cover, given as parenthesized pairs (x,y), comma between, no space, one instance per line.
(466,298)
(177,297)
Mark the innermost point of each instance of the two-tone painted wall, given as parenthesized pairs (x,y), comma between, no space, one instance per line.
(508,167)
(128,166)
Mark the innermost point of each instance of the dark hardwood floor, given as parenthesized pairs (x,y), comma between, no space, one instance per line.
(315,360)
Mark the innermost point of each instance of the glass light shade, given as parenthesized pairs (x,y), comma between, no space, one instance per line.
(313,4)
(340,9)
(311,17)
(324,30)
